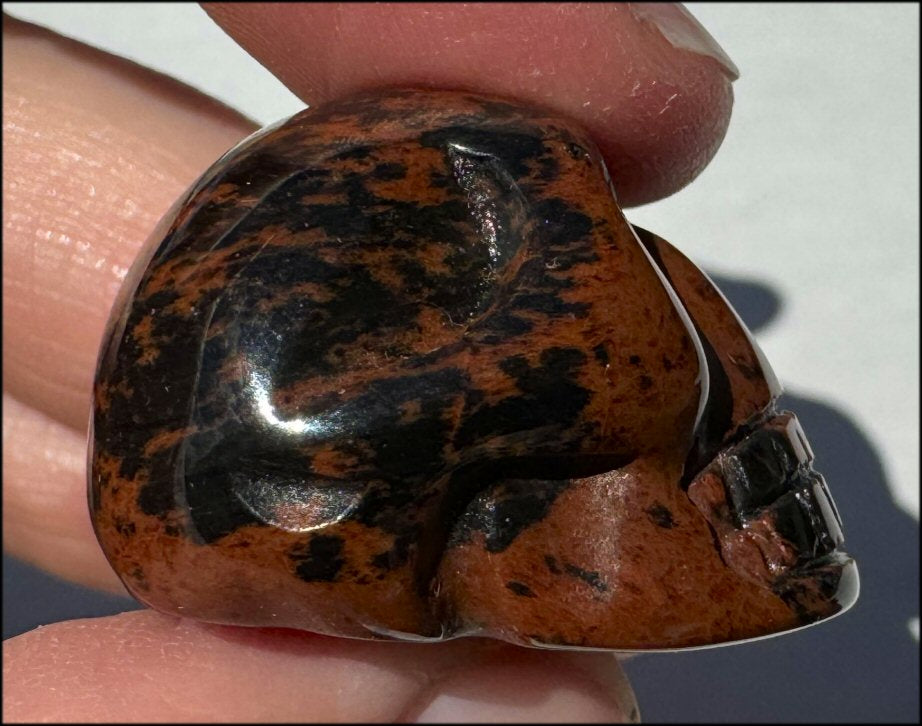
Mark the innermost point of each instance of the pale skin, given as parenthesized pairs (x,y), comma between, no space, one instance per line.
(95,151)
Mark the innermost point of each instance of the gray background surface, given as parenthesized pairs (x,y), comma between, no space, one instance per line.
(808,219)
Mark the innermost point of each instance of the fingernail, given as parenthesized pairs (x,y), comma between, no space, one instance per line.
(525,695)
(683,31)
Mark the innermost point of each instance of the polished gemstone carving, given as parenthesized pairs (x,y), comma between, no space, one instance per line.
(400,368)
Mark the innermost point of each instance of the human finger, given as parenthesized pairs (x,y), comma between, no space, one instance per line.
(45,519)
(95,150)
(148,667)
(648,82)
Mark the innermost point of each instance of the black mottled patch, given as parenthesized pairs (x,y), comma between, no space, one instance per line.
(634,360)
(138,578)
(815,582)
(440,179)
(519,506)
(512,148)
(354,152)
(661,516)
(503,513)
(552,565)
(548,168)
(389,171)
(548,303)
(125,529)
(504,325)
(646,383)
(550,396)
(520,589)
(160,300)
(395,557)
(593,579)
(155,500)
(495,108)
(577,151)
(321,561)
(563,226)
(601,355)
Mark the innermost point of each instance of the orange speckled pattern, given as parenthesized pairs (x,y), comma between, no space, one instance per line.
(398,367)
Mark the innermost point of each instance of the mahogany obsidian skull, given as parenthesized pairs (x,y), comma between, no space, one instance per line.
(399,368)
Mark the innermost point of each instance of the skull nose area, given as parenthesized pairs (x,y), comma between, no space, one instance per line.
(775,520)
(750,469)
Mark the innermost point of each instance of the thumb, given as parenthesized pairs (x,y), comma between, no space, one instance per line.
(646,80)
(147,667)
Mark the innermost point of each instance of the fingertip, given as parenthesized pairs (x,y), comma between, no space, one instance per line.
(45,516)
(147,667)
(532,692)
(651,86)
(683,31)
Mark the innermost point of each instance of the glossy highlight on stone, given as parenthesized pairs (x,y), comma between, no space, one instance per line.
(399,368)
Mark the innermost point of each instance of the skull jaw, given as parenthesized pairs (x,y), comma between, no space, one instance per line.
(629,561)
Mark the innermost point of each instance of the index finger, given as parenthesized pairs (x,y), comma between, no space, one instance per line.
(88,176)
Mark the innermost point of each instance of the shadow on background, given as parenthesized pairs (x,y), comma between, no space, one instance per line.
(863,666)
(32,598)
